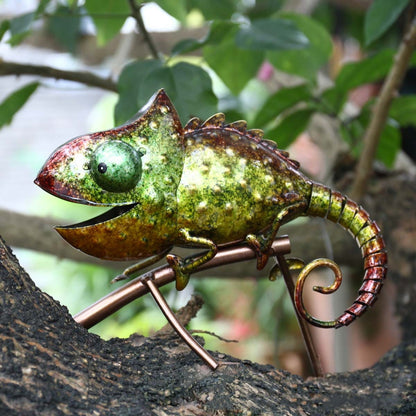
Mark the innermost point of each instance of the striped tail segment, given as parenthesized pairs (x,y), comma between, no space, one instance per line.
(334,206)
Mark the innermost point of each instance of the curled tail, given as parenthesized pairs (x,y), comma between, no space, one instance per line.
(338,208)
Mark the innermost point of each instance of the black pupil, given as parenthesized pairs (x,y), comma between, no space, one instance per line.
(102,168)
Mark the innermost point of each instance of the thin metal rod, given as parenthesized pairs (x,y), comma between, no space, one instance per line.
(306,334)
(163,275)
(158,277)
(181,331)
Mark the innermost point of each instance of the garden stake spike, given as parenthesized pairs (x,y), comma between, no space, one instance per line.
(205,185)
(313,355)
(163,275)
(180,330)
(150,281)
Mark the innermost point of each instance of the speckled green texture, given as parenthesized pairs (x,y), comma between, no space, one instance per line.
(320,201)
(233,186)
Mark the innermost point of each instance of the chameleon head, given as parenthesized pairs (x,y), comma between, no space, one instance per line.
(122,168)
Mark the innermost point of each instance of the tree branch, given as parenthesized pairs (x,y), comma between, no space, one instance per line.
(50,365)
(136,14)
(381,111)
(87,78)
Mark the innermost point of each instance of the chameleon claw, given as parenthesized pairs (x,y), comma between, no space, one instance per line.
(275,273)
(262,257)
(119,278)
(176,263)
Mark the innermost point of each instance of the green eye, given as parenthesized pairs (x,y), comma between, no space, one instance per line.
(116,166)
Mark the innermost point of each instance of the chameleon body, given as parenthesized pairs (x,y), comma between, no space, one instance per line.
(203,185)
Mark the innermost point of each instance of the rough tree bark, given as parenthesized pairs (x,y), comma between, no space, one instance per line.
(49,365)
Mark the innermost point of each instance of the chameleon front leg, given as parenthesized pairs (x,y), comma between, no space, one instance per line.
(140,265)
(262,244)
(182,268)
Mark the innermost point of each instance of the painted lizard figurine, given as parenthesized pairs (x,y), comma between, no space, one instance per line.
(203,185)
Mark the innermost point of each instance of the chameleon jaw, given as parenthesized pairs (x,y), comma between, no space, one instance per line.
(112,214)
(105,235)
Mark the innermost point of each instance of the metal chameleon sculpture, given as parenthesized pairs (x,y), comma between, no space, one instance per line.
(207,184)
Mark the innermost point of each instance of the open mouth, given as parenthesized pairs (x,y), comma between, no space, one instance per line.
(114,212)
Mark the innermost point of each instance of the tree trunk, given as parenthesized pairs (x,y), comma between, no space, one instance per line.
(52,366)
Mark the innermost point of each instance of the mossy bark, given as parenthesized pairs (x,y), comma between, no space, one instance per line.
(50,365)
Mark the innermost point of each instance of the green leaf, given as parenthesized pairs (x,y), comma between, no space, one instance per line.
(280,101)
(403,110)
(290,127)
(233,65)
(371,69)
(4,27)
(22,23)
(14,102)
(390,138)
(304,62)
(354,74)
(64,24)
(130,82)
(271,34)
(218,30)
(186,46)
(20,27)
(176,9)
(380,16)
(263,8)
(43,4)
(389,145)
(215,9)
(108,16)
(188,86)
(354,131)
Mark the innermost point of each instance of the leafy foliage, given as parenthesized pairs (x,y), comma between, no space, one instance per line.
(65,25)
(292,125)
(271,34)
(235,72)
(21,26)
(354,74)
(108,16)
(140,79)
(176,9)
(281,101)
(130,83)
(306,62)
(14,102)
(403,110)
(381,15)
(241,37)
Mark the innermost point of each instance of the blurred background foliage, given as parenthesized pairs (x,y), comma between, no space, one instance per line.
(274,63)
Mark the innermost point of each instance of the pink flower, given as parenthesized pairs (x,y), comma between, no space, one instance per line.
(265,72)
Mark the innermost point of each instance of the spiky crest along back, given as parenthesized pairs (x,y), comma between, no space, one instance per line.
(217,121)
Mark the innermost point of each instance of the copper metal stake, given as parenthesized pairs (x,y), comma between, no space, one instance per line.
(307,338)
(181,331)
(160,276)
